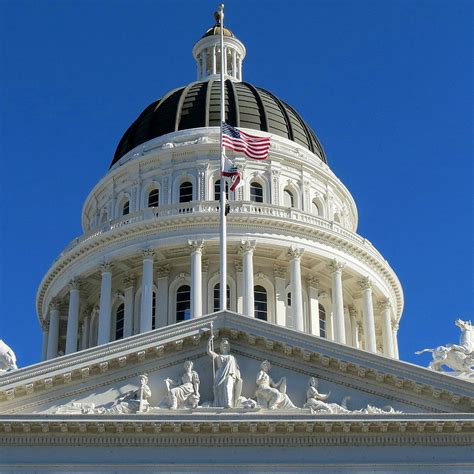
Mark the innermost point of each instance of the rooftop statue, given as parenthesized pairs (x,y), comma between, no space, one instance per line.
(458,357)
(7,358)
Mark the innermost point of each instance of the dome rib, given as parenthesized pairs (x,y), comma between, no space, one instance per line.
(198,105)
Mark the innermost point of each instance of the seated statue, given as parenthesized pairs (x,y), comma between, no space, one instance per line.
(185,392)
(7,358)
(269,394)
(135,401)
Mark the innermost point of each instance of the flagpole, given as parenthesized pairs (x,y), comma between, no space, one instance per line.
(223,218)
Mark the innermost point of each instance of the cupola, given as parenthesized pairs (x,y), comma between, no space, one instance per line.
(207,53)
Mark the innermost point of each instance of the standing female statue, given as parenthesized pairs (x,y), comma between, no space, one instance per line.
(227,379)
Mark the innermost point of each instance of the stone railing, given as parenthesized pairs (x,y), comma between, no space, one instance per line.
(212,207)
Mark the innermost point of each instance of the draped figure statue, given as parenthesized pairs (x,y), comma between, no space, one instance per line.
(227,379)
(185,392)
(269,394)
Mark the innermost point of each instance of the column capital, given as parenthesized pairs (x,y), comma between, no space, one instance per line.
(354,313)
(54,304)
(312,281)
(129,280)
(238,266)
(88,308)
(295,253)
(163,270)
(148,254)
(74,284)
(336,265)
(384,304)
(197,246)
(247,246)
(279,271)
(106,266)
(365,283)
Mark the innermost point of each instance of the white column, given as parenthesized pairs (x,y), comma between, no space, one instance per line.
(146,312)
(368,311)
(296,287)
(44,342)
(205,283)
(214,60)
(72,317)
(247,248)
(313,295)
(196,277)
(354,327)
(162,284)
(395,339)
(337,301)
(105,304)
(128,304)
(279,273)
(234,63)
(240,287)
(53,334)
(85,331)
(203,63)
(386,308)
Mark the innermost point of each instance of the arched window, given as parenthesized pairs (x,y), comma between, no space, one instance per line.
(153,198)
(260,302)
(183,303)
(119,321)
(186,192)
(217,297)
(316,208)
(322,321)
(153,311)
(288,198)
(217,190)
(125,208)
(256,192)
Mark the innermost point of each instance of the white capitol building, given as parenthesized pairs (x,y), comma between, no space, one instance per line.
(149,255)
(137,291)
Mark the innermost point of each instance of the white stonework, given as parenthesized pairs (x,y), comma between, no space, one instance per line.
(141,373)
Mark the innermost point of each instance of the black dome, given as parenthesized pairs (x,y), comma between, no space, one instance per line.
(197,105)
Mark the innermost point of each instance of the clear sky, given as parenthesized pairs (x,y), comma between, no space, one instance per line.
(386,85)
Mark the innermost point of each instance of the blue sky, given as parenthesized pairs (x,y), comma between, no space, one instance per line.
(387,87)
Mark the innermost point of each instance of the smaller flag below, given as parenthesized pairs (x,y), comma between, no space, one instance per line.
(254,147)
(230,171)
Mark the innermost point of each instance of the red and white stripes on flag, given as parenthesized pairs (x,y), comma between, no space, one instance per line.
(254,147)
(230,171)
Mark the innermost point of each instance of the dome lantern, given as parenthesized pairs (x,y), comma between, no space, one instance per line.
(207,53)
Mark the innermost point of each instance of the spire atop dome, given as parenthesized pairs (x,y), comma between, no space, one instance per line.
(207,54)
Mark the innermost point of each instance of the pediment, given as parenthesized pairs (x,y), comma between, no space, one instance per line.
(354,378)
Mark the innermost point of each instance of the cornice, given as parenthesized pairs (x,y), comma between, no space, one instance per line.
(219,430)
(206,216)
(398,378)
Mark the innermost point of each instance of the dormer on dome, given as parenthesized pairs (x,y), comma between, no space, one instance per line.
(207,53)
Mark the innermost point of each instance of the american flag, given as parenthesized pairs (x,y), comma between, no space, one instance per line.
(254,147)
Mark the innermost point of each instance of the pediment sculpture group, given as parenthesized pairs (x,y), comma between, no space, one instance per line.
(184,393)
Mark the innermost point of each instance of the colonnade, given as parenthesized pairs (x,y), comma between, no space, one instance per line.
(342,332)
(214,55)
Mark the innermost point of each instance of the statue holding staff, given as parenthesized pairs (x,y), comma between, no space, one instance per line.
(227,379)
